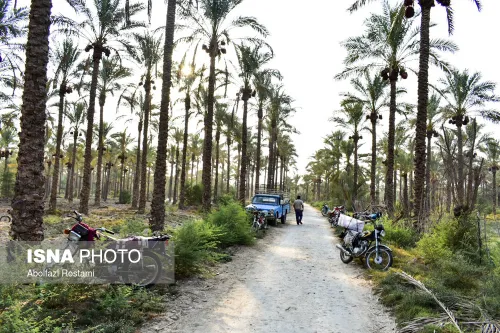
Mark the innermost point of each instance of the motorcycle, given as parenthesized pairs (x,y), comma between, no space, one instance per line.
(259,221)
(142,273)
(358,244)
(324,210)
(333,215)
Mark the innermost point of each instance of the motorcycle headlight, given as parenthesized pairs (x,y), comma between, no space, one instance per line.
(382,233)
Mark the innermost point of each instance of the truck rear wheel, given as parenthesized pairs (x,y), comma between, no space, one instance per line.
(283,218)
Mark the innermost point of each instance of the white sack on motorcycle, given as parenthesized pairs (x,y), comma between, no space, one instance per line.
(351,223)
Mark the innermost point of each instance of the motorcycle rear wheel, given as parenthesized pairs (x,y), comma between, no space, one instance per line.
(135,275)
(382,263)
(345,258)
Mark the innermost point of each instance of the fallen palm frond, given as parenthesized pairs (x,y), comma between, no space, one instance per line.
(471,315)
(422,287)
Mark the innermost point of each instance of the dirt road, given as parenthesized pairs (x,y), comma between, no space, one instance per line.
(292,281)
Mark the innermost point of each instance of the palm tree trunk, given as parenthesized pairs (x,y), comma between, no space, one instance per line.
(228,164)
(423,96)
(171,181)
(495,193)
(120,198)
(137,176)
(100,151)
(144,161)
(237,178)
(176,182)
(73,161)
(244,139)
(206,176)
(406,211)
(389,180)
(192,168)
(28,203)
(373,164)
(428,175)
(217,151)
(260,115)
(158,203)
(460,169)
(355,180)
(85,193)
(182,196)
(55,177)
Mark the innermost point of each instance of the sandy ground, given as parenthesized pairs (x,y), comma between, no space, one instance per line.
(291,281)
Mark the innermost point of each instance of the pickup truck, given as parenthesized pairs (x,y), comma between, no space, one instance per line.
(277,206)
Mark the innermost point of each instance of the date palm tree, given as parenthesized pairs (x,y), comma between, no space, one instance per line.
(100,29)
(147,52)
(157,219)
(250,62)
(221,117)
(209,22)
(279,110)
(110,75)
(425,58)
(433,113)
(76,116)
(66,57)
(493,153)
(370,91)
(187,75)
(390,44)
(12,26)
(353,119)
(466,94)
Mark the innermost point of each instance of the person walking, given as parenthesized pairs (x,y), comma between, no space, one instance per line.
(298,207)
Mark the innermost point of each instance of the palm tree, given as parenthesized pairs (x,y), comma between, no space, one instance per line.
(353,119)
(187,79)
(433,112)
(12,26)
(250,61)
(279,110)
(76,116)
(108,82)
(262,83)
(28,201)
(123,140)
(389,43)
(371,93)
(211,24)
(136,103)
(466,94)
(146,51)
(425,58)
(66,56)
(110,22)
(178,136)
(157,220)
(221,117)
(493,151)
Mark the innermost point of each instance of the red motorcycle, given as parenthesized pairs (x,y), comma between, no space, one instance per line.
(333,215)
(144,272)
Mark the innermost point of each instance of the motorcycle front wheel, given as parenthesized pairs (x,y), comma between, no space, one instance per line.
(323,212)
(382,262)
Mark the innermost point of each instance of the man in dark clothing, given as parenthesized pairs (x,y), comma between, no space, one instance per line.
(298,206)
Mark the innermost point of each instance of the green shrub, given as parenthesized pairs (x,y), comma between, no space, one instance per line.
(194,195)
(195,246)
(225,199)
(400,236)
(133,226)
(125,197)
(232,220)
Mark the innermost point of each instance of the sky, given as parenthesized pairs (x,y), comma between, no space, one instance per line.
(306,38)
